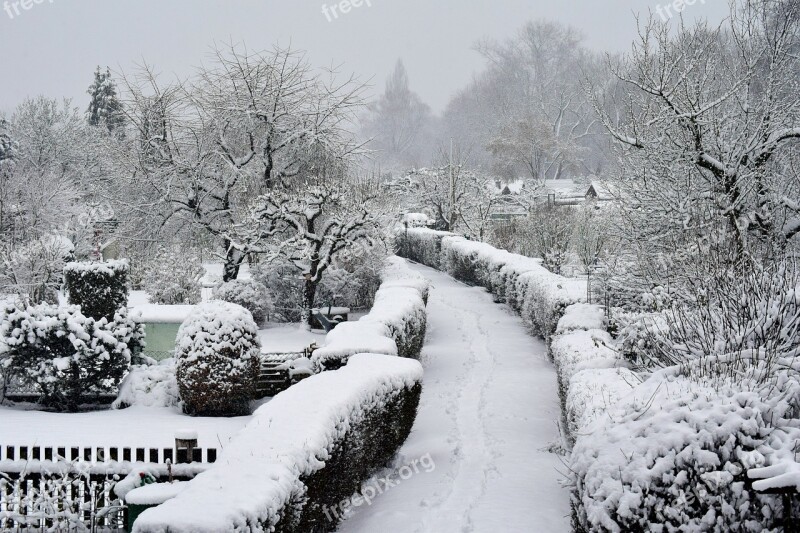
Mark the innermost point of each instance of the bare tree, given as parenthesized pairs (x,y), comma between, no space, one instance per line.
(245,125)
(527,110)
(312,229)
(709,121)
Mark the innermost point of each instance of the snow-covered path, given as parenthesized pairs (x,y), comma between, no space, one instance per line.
(488,417)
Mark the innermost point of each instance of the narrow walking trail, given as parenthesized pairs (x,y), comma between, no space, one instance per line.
(488,418)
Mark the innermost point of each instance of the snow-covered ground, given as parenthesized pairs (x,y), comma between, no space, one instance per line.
(132,427)
(488,418)
(277,338)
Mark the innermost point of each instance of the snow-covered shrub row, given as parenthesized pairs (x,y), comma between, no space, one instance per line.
(580,350)
(421,245)
(534,292)
(395,325)
(218,353)
(248,293)
(306,450)
(65,355)
(100,288)
(592,393)
(582,316)
(149,386)
(674,456)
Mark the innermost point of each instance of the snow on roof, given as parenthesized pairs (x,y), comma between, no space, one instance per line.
(165,314)
(565,188)
(601,190)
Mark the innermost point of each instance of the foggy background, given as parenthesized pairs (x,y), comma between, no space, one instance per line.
(53,48)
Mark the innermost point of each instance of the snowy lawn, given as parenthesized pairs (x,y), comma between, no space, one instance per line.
(132,427)
(278,338)
(488,418)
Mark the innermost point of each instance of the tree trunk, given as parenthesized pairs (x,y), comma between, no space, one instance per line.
(233,260)
(309,293)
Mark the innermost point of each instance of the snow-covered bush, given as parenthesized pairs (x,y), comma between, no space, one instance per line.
(395,325)
(285,283)
(591,395)
(350,282)
(545,298)
(354,279)
(636,335)
(100,288)
(153,385)
(548,231)
(218,357)
(65,355)
(582,316)
(748,313)
(249,294)
(173,276)
(34,270)
(580,350)
(304,452)
(675,458)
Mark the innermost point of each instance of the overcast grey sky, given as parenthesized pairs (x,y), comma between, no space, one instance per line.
(53,47)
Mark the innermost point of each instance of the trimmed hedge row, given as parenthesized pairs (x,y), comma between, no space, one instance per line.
(395,325)
(538,295)
(304,452)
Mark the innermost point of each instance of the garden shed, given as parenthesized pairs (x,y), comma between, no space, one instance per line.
(161,324)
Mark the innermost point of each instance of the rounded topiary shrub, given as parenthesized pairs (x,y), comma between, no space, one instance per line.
(100,288)
(248,293)
(218,357)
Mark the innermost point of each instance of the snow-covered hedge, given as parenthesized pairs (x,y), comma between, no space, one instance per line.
(395,325)
(64,354)
(149,386)
(582,316)
(248,293)
(421,245)
(580,350)
(304,452)
(218,355)
(537,294)
(674,457)
(592,394)
(100,288)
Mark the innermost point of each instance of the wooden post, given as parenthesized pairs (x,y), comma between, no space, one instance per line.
(185,444)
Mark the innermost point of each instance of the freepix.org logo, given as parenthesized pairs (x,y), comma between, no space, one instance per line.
(17,7)
(674,8)
(378,485)
(343,8)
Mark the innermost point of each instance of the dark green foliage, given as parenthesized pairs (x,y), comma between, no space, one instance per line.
(218,355)
(65,355)
(100,288)
(369,445)
(105,108)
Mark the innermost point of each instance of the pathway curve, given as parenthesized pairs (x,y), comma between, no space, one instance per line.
(488,419)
